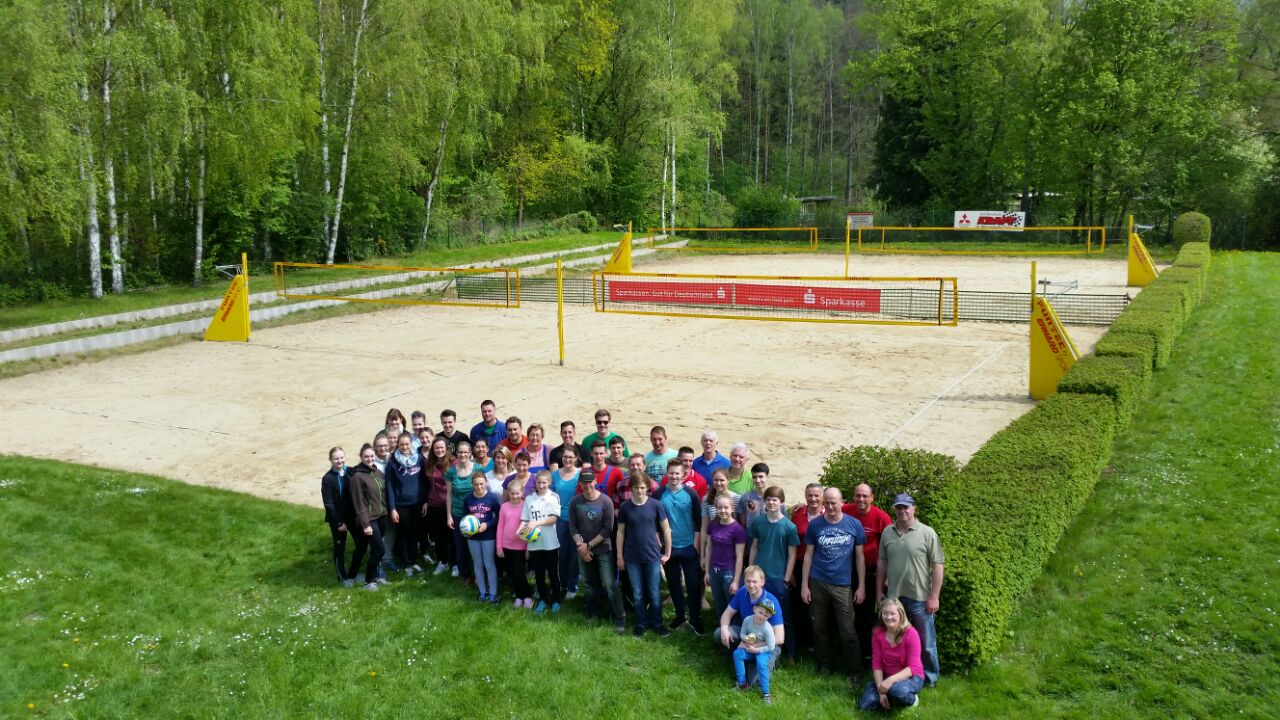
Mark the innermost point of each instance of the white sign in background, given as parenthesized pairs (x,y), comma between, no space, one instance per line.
(990,220)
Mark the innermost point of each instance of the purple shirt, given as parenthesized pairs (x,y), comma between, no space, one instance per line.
(724,538)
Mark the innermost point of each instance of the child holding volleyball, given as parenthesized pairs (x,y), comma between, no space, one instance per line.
(542,511)
(482,509)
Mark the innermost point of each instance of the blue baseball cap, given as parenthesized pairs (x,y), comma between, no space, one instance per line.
(904,499)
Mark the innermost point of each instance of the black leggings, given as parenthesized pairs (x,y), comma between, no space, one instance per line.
(407,535)
(546,562)
(373,543)
(438,529)
(339,551)
(513,561)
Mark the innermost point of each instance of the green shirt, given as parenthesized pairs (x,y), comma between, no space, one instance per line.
(908,559)
(773,543)
(740,485)
(461,485)
(591,439)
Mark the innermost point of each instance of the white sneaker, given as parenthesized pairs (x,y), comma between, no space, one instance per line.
(440,567)
(417,568)
(408,572)
(455,572)
(373,586)
(570,595)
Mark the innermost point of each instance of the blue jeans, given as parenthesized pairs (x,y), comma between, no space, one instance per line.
(684,579)
(922,621)
(601,576)
(901,694)
(486,566)
(568,557)
(783,593)
(720,596)
(645,579)
(761,660)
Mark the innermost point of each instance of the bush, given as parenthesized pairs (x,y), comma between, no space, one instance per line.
(1159,324)
(766,207)
(890,471)
(582,221)
(1002,518)
(1122,379)
(1118,343)
(1173,297)
(1193,254)
(1191,227)
(1188,280)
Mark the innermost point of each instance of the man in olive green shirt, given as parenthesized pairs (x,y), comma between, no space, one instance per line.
(910,569)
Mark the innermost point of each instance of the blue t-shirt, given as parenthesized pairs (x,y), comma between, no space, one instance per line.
(772,541)
(680,505)
(492,434)
(656,465)
(644,530)
(566,489)
(706,467)
(833,548)
(486,511)
(744,605)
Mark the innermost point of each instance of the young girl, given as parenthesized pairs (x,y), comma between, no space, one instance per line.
(458,483)
(394,425)
(485,506)
(511,549)
(406,502)
(897,673)
(539,454)
(434,468)
(333,493)
(501,470)
(542,510)
(366,516)
(480,455)
(564,483)
(722,554)
(757,643)
(719,486)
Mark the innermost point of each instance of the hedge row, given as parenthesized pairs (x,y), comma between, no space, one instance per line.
(1001,516)
(890,471)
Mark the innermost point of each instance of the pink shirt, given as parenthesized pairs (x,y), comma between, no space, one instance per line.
(889,660)
(509,523)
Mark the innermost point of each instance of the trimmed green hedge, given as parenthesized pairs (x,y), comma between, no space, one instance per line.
(1122,379)
(1117,343)
(1170,297)
(1161,326)
(890,471)
(1001,520)
(1191,227)
(1189,277)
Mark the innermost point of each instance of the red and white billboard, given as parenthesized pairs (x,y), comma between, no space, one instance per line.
(990,220)
(746,295)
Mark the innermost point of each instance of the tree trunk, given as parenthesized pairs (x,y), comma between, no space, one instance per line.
(791,106)
(435,175)
(197,272)
(109,168)
(346,134)
(673,178)
(324,115)
(89,175)
(662,211)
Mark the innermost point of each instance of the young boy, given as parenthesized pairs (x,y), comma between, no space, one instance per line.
(773,540)
(758,643)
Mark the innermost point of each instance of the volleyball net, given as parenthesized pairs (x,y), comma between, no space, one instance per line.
(857,300)
(1064,240)
(741,240)
(468,287)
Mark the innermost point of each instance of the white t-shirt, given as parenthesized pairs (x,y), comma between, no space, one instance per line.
(538,507)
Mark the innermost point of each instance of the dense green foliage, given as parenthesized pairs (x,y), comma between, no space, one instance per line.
(890,471)
(1122,343)
(144,142)
(1191,227)
(1123,379)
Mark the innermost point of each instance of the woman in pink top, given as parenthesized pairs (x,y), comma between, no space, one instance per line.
(512,551)
(539,454)
(898,674)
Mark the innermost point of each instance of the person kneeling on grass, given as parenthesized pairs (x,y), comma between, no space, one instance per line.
(898,673)
(757,643)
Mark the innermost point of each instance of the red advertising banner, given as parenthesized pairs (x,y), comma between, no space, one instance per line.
(747,295)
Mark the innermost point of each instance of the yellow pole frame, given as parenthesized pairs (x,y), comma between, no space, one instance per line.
(1102,246)
(560,306)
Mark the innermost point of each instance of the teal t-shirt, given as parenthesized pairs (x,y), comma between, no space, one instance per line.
(461,485)
(679,507)
(772,541)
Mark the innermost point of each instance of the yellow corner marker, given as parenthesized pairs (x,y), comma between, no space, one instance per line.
(1052,352)
(621,260)
(1142,271)
(231,323)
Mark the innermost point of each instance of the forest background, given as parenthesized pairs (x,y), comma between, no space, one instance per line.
(144,141)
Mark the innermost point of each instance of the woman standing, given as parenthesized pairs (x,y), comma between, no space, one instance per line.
(367,516)
(498,473)
(539,454)
(435,466)
(333,493)
(564,483)
(405,499)
(458,486)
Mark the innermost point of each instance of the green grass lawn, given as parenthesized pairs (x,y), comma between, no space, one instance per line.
(127,595)
(260,279)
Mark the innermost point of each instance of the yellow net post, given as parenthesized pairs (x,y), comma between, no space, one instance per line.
(560,306)
(1052,351)
(231,322)
(620,262)
(1142,270)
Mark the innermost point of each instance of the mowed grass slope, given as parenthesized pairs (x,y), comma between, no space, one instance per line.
(127,595)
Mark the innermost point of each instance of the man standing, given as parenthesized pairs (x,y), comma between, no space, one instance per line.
(489,429)
(515,441)
(603,433)
(831,542)
(591,529)
(452,435)
(655,461)
(691,478)
(609,479)
(774,550)
(568,433)
(710,460)
(910,569)
(684,569)
(874,521)
(644,546)
(739,476)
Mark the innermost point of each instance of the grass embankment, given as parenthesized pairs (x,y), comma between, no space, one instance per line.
(55,311)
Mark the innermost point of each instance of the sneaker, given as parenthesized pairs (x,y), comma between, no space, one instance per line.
(390,567)
(915,702)
(740,686)
(528,603)
(661,631)
(768,699)
(440,568)
(493,599)
(382,581)
(417,568)
(638,632)
(570,595)
(371,587)
(484,598)
(677,624)
(542,607)
(698,629)
(518,603)
(408,572)
(619,629)
(455,571)
(555,608)
(348,583)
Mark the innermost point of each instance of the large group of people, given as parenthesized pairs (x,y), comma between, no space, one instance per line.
(593,517)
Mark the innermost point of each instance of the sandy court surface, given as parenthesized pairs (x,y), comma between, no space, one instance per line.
(260,417)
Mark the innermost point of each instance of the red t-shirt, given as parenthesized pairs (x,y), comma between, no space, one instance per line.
(873,523)
(694,482)
(516,447)
(800,516)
